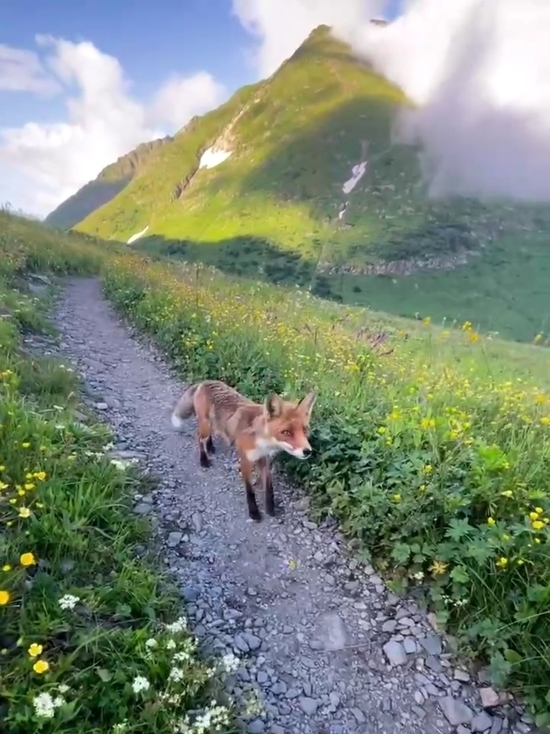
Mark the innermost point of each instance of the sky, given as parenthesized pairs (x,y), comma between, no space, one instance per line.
(83,83)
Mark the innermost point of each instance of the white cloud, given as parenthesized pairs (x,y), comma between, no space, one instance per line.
(21,71)
(479,72)
(281,25)
(477,69)
(182,97)
(103,122)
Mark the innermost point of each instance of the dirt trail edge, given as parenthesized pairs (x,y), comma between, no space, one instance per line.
(325,649)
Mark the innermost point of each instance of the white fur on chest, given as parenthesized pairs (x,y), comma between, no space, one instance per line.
(265,448)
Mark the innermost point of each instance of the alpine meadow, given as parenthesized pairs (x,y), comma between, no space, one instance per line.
(283,242)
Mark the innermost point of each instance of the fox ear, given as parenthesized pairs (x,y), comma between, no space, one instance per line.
(306,404)
(274,405)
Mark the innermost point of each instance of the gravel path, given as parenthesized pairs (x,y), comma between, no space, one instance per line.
(325,649)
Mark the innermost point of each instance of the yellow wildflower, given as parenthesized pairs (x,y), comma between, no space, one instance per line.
(6,567)
(41,666)
(24,512)
(25,445)
(4,597)
(491,521)
(537,525)
(27,559)
(35,650)
(502,562)
(438,568)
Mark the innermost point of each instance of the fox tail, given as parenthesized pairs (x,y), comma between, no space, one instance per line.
(184,408)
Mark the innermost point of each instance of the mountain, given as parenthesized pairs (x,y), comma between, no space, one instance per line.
(298,180)
(112,179)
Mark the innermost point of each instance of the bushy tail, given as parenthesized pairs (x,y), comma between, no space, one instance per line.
(184,408)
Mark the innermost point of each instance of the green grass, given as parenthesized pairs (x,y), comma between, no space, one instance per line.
(432,450)
(91,635)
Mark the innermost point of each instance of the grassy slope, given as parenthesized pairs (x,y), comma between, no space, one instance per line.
(67,528)
(110,181)
(271,209)
(432,450)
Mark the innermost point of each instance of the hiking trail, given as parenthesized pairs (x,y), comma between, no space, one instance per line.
(328,649)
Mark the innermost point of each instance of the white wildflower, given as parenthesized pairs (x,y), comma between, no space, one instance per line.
(123,464)
(45,705)
(180,625)
(181,657)
(171,645)
(176,674)
(151,643)
(119,728)
(140,684)
(230,663)
(63,688)
(69,601)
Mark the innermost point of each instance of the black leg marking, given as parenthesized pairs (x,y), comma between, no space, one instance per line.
(253,511)
(203,456)
(210,445)
(269,498)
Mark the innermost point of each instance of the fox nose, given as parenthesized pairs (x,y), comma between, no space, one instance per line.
(307,452)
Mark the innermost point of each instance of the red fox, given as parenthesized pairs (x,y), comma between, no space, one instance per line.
(257,431)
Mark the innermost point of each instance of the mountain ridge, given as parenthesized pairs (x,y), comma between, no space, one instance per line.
(299,179)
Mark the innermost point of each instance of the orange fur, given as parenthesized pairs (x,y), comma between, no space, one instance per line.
(257,431)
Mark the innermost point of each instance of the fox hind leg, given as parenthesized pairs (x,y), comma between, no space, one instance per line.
(205,436)
(211,449)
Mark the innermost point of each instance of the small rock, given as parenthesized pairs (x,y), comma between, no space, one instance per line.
(174,539)
(334,699)
(489,697)
(432,644)
(308,706)
(197,522)
(241,644)
(389,626)
(279,688)
(434,664)
(251,640)
(419,698)
(410,646)
(455,711)
(359,716)
(190,593)
(496,728)
(461,675)
(276,729)
(482,722)
(101,406)
(395,652)
(143,508)
(463,730)
(255,727)
(293,693)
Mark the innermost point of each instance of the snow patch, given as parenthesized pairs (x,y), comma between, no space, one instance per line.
(137,235)
(211,158)
(358,172)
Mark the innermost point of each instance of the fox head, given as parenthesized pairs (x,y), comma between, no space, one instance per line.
(287,424)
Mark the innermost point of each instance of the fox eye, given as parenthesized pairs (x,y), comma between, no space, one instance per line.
(286,432)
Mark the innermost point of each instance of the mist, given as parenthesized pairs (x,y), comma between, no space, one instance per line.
(478,72)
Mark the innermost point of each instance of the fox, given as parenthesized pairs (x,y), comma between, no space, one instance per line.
(257,431)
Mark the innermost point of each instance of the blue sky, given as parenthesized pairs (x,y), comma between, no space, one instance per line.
(56,141)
